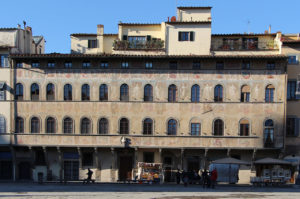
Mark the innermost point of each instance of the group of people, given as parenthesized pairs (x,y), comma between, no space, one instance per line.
(207,179)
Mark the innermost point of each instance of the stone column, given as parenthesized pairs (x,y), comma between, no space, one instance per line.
(60,161)
(14,162)
(182,158)
(113,165)
(46,161)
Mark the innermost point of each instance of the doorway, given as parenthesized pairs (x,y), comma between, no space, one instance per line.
(6,170)
(71,170)
(24,171)
(125,168)
(193,163)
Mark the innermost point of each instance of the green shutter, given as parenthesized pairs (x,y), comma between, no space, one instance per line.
(192,35)
(148,37)
(179,34)
(124,37)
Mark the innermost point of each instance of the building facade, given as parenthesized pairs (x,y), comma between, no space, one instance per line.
(170,93)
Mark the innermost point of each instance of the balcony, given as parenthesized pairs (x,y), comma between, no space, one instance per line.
(62,140)
(153,44)
(239,45)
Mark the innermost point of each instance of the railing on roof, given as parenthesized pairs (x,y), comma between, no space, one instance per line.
(238,45)
(156,44)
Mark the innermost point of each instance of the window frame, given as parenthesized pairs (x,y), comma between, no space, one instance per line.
(50,94)
(35,94)
(68,125)
(85,126)
(195,93)
(19,92)
(19,128)
(124,126)
(124,93)
(172,93)
(148,93)
(103,125)
(51,125)
(218,129)
(35,125)
(195,128)
(172,127)
(85,92)
(218,94)
(147,126)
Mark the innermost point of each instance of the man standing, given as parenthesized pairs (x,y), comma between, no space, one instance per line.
(213,178)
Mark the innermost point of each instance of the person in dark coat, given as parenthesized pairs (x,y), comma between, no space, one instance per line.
(89,174)
(178,176)
(204,178)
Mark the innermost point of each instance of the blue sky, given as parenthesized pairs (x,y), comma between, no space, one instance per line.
(57,19)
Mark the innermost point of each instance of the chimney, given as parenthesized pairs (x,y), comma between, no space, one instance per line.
(270,29)
(100,29)
(28,28)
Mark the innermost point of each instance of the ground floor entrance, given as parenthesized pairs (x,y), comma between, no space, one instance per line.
(6,168)
(125,168)
(71,170)
(24,169)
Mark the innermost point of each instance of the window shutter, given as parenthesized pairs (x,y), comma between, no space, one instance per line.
(148,37)
(2,125)
(192,36)
(298,89)
(2,95)
(297,123)
(179,36)
(124,37)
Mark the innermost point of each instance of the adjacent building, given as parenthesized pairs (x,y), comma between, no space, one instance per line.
(170,93)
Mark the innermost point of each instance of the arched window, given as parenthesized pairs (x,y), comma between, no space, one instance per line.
(85,126)
(19,92)
(148,93)
(148,126)
(50,92)
(2,124)
(245,93)
(218,127)
(124,93)
(269,133)
(35,125)
(50,125)
(68,92)
(244,128)
(218,94)
(172,127)
(270,93)
(172,93)
(195,92)
(85,92)
(19,125)
(103,92)
(35,92)
(124,126)
(68,125)
(103,126)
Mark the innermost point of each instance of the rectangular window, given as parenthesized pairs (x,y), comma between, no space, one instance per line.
(124,65)
(92,43)
(87,159)
(19,65)
(2,91)
(3,61)
(292,126)
(104,64)
(250,43)
(291,90)
(137,42)
(245,97)
(293,59)
(220,65)
(270,65)
(244,129)
(246,65)
(35,64)
(196,65)
(68,64)
(173,65)
(86,64)
(148,65)
(51,64)
(195,129)
(186,36)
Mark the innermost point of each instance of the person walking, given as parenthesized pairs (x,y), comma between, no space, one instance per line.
(213,178)
(89,174)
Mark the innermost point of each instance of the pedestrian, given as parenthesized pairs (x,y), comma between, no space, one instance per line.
(178,176)
(185,179)
(204,178)
(214,177)
(89,174)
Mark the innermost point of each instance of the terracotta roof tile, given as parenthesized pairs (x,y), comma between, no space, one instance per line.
(243,34)
(188,22)
(192,7)
(139,24)
(84,35)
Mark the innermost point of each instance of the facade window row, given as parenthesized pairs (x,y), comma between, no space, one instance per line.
(148,126)
(124,93)
(173,65)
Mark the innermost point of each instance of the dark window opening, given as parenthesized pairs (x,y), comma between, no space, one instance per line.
(103,92)
(19,125)
(92,43)
(149,157)
(195,129)
(173,65)
(148,126)
(218,94)
(103,126)
(35,125)
(148,93)
(68,125)
(172,93)
(195,93)
(124,93)
(19,92)
(218,127)
(50,92)
(85,126)
(172,127)
(87,159)
(85,92)
(68,92)
(35,92)
(124,126)
(51,128)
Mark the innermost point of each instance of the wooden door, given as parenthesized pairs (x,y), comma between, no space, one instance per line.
(125,168)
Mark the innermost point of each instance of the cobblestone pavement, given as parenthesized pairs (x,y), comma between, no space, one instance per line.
(135,191)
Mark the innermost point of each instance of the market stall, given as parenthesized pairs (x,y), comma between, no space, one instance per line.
(271,171)
(149,172)
(228,169)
